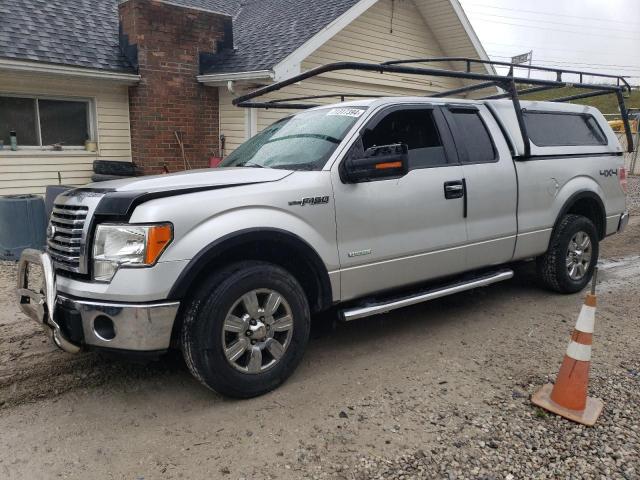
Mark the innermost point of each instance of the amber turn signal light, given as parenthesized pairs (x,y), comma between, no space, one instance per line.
(386,165)
(158,239)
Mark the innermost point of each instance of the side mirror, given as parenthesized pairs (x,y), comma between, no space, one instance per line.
(377,163)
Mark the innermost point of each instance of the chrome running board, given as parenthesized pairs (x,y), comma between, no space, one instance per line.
(370,309)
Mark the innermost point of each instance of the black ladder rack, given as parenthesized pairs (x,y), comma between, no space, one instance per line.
(509,83)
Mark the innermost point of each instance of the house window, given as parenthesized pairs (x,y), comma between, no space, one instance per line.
(44,122)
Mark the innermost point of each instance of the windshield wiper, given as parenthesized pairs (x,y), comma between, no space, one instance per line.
(327,138)
(250,164)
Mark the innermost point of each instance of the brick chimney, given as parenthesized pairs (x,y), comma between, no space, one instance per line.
(165,42)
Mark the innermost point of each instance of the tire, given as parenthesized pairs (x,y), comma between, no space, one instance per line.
(204,339)
(114,167)
(98,177)
(553,267)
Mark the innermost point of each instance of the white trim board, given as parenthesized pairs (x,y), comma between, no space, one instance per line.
(471,33)
(220,79)
(68,71)
(290,66)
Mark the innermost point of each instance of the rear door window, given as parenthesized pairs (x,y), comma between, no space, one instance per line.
(473,134)
(557,129)
(414,127)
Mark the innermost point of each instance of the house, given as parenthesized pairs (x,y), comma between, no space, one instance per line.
(146,80)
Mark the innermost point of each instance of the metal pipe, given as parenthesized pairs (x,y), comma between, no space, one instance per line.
(468,88)
(625,120)
(579,96)
(372,67)
(520,117)
(508,64)
(520,92)
(332,95)
(396,67)
(279,105)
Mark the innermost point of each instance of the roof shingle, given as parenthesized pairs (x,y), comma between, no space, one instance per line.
(84,33)
(267,31)
(81,33)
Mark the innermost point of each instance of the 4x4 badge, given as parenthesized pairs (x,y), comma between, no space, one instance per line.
(609,173)
(311,201)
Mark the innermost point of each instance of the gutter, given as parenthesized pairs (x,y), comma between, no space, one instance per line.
(67,71)
(217,79)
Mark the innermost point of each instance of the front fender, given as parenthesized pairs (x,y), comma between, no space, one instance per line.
(321,240)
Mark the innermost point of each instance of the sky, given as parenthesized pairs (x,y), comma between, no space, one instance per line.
(591,35)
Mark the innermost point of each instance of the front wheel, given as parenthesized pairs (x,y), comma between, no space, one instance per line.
(246,329)
(567,267)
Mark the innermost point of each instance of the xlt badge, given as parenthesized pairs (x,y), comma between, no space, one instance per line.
(310,201)
(359,253)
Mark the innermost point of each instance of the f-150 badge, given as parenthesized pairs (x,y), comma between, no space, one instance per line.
(310,201)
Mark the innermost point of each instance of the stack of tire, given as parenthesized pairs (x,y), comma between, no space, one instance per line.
(104,170)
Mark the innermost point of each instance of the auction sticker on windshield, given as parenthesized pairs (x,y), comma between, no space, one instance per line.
(346,112)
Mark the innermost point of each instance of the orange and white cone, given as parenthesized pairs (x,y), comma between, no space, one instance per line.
(568,397)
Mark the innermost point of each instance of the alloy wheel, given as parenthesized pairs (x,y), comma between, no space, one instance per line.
(579,256)
(257,331)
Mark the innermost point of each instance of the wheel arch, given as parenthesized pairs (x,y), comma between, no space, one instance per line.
(588,204)
(273,245)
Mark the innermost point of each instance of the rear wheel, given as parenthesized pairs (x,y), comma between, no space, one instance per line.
(568,265)
(246,329)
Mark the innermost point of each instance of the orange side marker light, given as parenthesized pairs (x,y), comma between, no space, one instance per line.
(159,237)
(386,165)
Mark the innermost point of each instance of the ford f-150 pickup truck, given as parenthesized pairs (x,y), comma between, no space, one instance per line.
(362,206)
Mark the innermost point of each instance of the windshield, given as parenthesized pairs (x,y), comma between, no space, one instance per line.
(301,142)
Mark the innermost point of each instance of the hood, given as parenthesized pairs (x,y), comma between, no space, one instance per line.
(210,177)
(121,197)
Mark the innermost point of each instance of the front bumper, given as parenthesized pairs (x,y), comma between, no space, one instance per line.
(75,323)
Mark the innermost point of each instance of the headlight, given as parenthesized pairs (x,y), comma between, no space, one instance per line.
(129,245)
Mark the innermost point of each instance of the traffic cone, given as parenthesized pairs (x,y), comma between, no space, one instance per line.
(568,397)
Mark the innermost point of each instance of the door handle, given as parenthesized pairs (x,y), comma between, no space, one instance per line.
(453,189)
(457,189)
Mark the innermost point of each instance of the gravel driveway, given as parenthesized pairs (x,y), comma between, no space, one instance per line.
(439,390)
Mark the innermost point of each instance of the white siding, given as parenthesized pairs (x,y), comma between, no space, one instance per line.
(374,37)
(445,24)
(30,171)
(233,120)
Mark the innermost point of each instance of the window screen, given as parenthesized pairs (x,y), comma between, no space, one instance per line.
(19,115)
(415,128)
(475,137)
(44,122)
(63,122)
(563,129)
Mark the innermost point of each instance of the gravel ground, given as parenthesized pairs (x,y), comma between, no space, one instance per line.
(633,183)
(439,390)
(515,440)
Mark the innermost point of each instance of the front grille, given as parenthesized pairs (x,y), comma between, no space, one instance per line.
(66,235)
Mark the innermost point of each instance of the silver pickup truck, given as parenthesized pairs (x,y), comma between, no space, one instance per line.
(362,206)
